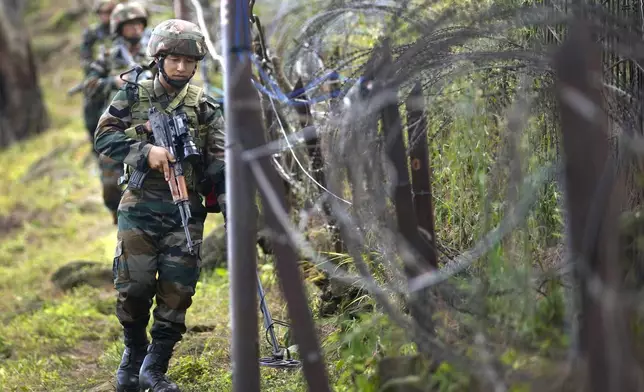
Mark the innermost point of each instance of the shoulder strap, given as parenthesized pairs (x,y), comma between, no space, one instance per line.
(136,94)
(193,96)
(133,94)
(178,99)
(148,85)
(190,95)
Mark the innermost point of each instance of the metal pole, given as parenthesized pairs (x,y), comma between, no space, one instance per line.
(272,190)
(243,118)
(594,195)
(421,172)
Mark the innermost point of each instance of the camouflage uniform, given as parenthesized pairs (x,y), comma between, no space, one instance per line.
(101,85)
(98,34)
(95,34)
(151,239)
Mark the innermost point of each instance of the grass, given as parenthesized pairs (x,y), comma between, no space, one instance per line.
(52,213)
(71,341)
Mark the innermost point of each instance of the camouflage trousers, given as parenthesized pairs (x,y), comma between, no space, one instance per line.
(111,171)
(152,260)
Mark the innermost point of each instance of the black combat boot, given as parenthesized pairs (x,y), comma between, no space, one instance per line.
(127,375)
(155,366)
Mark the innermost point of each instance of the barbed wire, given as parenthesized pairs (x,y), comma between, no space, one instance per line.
(496,175)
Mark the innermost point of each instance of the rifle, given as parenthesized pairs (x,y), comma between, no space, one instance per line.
(77,88)
(129,62)
(171,132)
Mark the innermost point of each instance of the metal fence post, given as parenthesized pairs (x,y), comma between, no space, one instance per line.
(243,119)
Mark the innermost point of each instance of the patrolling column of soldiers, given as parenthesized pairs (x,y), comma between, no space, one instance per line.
(127,24)
(152,238)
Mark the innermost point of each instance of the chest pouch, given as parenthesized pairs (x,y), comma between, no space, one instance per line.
(188,126)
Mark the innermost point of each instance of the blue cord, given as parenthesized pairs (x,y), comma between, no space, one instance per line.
(242,47)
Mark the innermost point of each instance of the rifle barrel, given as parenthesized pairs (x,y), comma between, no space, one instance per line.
(185,215)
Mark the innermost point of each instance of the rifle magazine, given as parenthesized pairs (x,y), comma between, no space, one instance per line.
(136,179)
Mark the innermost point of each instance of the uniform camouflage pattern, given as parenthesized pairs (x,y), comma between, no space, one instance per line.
(119,64)
(93,106)
(176,36)
(125,12)
(151,240)
(102,83)
(150,236)
(92,37)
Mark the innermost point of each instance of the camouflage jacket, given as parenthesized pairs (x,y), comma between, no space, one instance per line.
(101,79)
(117,138)
(92,36)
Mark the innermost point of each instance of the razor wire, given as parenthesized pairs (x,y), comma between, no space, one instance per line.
(273,91)
(433,60)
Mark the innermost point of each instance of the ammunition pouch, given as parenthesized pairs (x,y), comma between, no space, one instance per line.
(209,185)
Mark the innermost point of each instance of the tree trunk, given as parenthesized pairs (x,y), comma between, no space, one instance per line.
(22,110)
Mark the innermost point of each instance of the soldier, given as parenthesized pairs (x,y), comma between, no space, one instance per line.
(128,23)
(98,34)
(128,26)
(150,237)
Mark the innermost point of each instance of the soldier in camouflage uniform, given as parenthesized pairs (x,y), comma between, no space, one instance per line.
(128,23)
(97,34)
(151,239)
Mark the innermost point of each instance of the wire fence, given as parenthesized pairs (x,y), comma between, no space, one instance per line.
(470,167)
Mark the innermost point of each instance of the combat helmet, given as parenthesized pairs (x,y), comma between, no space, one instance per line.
(98,4)
(126,12)
(178,37)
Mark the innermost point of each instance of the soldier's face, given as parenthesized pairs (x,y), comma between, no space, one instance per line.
(179,67)
(104,14)
(132,30)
